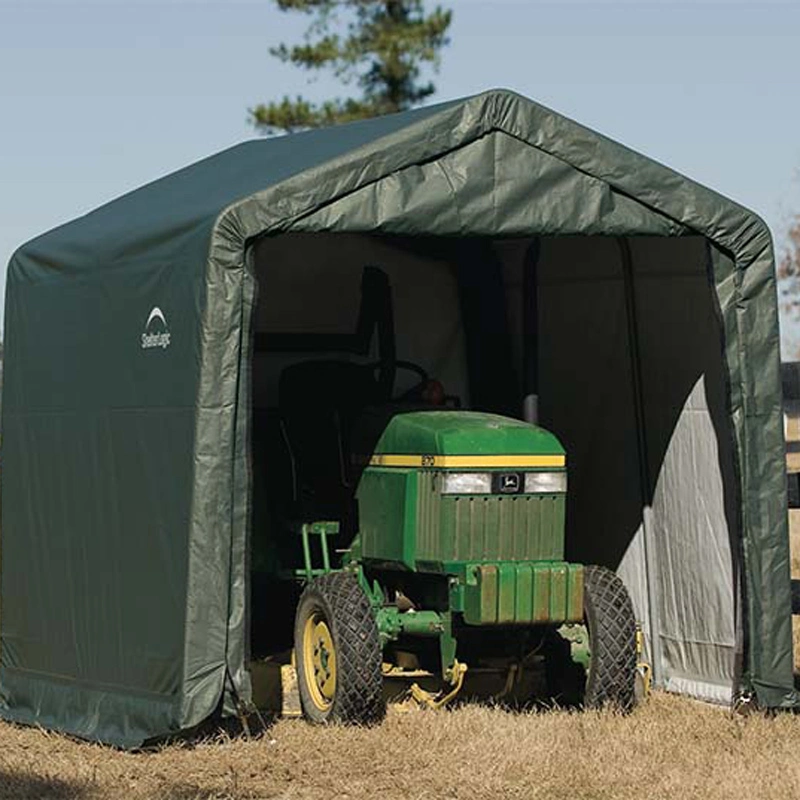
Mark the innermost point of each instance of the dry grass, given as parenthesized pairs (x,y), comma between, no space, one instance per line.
(670,748)
(794,538)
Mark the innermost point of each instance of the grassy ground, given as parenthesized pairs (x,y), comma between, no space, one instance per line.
(669,748)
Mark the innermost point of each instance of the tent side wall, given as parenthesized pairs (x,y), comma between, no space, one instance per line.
(747,292)
(99,553)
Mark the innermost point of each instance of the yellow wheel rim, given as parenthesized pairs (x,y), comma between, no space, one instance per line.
(319,661)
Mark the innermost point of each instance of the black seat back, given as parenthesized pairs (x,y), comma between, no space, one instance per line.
(318,403)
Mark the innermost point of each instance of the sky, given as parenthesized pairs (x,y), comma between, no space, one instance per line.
(100,96)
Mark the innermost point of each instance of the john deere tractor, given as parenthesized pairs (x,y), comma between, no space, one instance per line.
(431,545)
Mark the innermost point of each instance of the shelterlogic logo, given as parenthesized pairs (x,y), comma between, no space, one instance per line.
(156,331)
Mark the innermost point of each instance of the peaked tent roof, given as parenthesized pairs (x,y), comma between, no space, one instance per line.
(213,191)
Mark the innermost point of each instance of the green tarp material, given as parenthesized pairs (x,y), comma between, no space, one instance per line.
(125,427)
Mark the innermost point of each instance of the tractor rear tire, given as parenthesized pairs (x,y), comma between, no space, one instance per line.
(338,653)
(609,617)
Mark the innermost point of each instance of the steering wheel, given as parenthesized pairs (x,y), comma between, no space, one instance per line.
(414,391)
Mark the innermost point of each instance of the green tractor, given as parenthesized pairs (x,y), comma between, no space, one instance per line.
(428,544)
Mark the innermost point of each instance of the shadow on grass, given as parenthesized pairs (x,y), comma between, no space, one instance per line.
(215,729)
(17,785)
(24,786)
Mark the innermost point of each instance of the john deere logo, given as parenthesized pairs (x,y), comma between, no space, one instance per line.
(510,483)
(156,332)
(507,482)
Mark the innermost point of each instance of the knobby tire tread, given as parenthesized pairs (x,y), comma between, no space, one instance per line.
(359,692)
(612,631)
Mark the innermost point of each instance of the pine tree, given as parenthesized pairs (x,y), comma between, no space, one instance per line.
(381,46)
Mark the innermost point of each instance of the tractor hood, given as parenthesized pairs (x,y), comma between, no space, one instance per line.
(433,436)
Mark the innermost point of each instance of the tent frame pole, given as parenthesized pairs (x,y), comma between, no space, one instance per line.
(645,481)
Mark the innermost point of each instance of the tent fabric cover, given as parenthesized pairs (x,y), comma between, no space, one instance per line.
(125,469)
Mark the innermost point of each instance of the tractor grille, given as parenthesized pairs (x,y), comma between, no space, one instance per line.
(488,527)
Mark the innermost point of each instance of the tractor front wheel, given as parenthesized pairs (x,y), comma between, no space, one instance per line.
(603,674)
(338,652)
(608,613)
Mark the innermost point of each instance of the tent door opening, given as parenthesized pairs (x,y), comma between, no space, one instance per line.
(614,344)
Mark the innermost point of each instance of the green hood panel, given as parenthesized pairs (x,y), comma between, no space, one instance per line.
(464,433)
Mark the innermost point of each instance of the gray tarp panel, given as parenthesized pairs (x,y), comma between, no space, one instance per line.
(125,507)
(654,507)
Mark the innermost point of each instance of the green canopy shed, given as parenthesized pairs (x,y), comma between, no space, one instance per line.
(131,385)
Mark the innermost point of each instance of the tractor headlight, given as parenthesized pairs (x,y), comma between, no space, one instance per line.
(545,482)
(466,483)
(504,483)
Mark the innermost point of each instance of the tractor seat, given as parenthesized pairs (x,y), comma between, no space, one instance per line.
(318,402)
